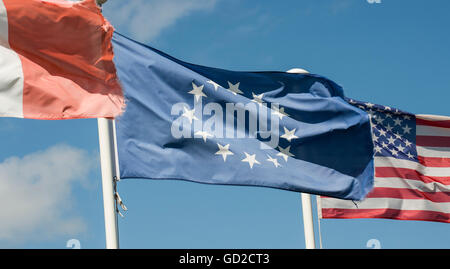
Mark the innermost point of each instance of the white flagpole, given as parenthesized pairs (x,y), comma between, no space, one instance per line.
(108,166)
(106,136)
(308,224)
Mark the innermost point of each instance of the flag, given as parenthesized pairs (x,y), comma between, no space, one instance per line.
(56,61)
(271,129)
(412,169)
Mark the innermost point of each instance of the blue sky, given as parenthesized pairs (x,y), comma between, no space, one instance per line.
(393,53)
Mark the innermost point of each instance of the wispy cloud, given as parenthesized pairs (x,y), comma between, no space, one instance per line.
(36,193)
(145,19)
(338,6)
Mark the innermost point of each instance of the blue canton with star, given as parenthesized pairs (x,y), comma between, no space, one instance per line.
(393,131)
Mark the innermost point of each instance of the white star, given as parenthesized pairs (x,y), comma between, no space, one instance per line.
(285,153)
(224,151)
(378,149)
(398,136)
(250,159)
(289,135)
(258,98)
(197,91)
(400,148)
(203,134)
(375,138)
(406,129)
(406,117)
(384,145)
(410,155)
(216,86)
(234,88)
(369,105)
(379,120)
(382,132)
(394,152)
(391,140)
(398,121)
(397,112)
(279,112)
(389,128)
(273,160)
(189,114)
(407,143)
(388,115)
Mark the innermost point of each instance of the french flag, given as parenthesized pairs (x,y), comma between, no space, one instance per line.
(56,61)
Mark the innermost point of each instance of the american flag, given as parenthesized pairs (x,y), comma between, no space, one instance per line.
(412,169)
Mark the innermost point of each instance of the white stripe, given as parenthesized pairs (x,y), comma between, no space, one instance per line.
(439,152)
(398,163)
(400,183)
(392,203)
(319,206)
(432,117)
(11,78)
(432,131)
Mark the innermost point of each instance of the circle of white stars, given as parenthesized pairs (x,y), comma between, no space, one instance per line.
(224,150)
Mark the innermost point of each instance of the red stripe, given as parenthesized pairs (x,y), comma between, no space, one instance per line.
(403,193)
(434,161)
(412,174)
(433,141)
(437,123)
(385,213)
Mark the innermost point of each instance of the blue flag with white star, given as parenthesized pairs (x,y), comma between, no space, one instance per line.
(270,129)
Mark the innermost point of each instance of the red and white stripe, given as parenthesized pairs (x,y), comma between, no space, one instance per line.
(404,189)
(56,61)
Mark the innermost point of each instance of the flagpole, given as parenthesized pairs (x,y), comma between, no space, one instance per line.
(108,161)
(108,167)
(308,224)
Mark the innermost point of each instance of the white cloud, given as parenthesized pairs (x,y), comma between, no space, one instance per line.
(338,6)
(145,19)
(36,193)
